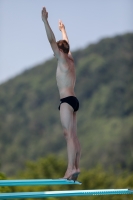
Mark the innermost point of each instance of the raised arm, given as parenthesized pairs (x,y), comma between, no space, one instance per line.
(63,30)
(50,33)
(64,34)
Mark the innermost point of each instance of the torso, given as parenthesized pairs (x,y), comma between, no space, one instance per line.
(66,77)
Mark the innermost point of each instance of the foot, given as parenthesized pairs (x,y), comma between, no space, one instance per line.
(72,175)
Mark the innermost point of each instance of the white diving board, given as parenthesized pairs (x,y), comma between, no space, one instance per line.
(25,182)
(65,193)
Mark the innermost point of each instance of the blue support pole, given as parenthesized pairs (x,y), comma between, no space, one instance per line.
(64,193)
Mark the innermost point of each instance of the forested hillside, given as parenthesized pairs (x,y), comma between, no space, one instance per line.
(29,118)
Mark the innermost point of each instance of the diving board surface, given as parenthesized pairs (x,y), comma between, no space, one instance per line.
(64,193)
(25,182)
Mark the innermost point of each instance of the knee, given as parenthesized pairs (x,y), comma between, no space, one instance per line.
(67,134)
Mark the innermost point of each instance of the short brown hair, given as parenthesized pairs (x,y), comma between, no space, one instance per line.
(63,44)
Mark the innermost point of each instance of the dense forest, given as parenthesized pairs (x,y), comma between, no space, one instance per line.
(29,118)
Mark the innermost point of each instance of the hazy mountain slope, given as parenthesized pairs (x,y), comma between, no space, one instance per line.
(29,117)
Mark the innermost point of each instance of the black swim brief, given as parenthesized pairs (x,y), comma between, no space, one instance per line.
(72,101)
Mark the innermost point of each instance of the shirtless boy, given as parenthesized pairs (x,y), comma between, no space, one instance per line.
(69,104)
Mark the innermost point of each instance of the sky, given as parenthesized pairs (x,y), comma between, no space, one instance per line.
(23,40)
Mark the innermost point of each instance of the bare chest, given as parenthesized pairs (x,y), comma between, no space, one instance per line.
(65,76)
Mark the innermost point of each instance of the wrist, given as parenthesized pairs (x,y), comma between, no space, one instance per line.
(63,30)
(45,21)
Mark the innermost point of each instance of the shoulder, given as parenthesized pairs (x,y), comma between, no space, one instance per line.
(70,56)
(65,57)
(61,56)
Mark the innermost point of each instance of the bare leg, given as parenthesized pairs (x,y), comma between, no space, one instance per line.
(68,120)
(78,148)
